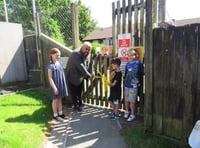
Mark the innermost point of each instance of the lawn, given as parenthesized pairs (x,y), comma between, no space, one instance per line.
(23,116)
(135,137)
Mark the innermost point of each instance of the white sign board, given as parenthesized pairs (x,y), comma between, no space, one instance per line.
(124,43)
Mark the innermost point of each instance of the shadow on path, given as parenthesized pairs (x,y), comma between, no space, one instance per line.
(93,128)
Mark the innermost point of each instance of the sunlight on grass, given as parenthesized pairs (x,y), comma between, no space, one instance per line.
(22,118)
(135,137)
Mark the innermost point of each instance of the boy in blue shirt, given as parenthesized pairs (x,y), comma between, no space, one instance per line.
(134,71)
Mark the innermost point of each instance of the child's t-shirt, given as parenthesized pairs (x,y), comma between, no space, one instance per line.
(134,70)
(115,91)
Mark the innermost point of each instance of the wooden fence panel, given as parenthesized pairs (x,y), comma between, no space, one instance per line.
(196,81)
(172,104)
(176,81)
(189,72)
(158,77)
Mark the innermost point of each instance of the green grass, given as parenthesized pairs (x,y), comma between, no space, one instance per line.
(23,116)
(135,137)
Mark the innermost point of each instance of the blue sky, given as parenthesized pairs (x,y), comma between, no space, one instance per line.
(101,10)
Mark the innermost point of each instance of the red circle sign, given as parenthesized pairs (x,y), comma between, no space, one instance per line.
(124,52)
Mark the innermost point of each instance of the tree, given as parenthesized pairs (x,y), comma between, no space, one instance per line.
(86,23)
(62,14)
(55,18)
(19,12)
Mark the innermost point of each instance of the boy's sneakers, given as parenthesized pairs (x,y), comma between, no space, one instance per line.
(114,117)
(126,114)
(111,114)
(131,118)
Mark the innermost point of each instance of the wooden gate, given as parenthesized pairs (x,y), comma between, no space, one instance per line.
(96,92)
(128,19)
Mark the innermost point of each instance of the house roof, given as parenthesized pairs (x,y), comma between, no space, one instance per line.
(187,21)
(105,33)
(101,33)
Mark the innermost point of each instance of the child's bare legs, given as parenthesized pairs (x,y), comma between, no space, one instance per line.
(133,96)
(57,106)
(111,105)
(112,108)
(132,107)
(116,108)
(132,115)
(126,113)
(127,105)
(60,112)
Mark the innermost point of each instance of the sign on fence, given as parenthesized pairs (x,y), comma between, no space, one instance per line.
(124,43)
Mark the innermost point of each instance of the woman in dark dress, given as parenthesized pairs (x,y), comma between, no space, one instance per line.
(58,87)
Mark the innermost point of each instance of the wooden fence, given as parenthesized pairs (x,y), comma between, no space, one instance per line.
(175,106)
(96,92)
(32,59)
(128,18)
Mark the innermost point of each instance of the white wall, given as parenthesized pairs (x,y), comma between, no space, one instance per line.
(12,56)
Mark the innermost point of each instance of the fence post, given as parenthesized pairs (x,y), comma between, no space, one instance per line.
(136,38)
(114,43)
(161,11)
(142,23)
(130,25)
(124,25)
(75,26)
(148,104)
(40,50)
(5,9)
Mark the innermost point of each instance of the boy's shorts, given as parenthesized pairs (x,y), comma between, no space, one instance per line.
(130,94)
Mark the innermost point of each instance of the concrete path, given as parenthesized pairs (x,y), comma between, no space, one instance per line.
(93,128)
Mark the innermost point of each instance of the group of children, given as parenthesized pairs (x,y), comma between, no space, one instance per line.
(133,72)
